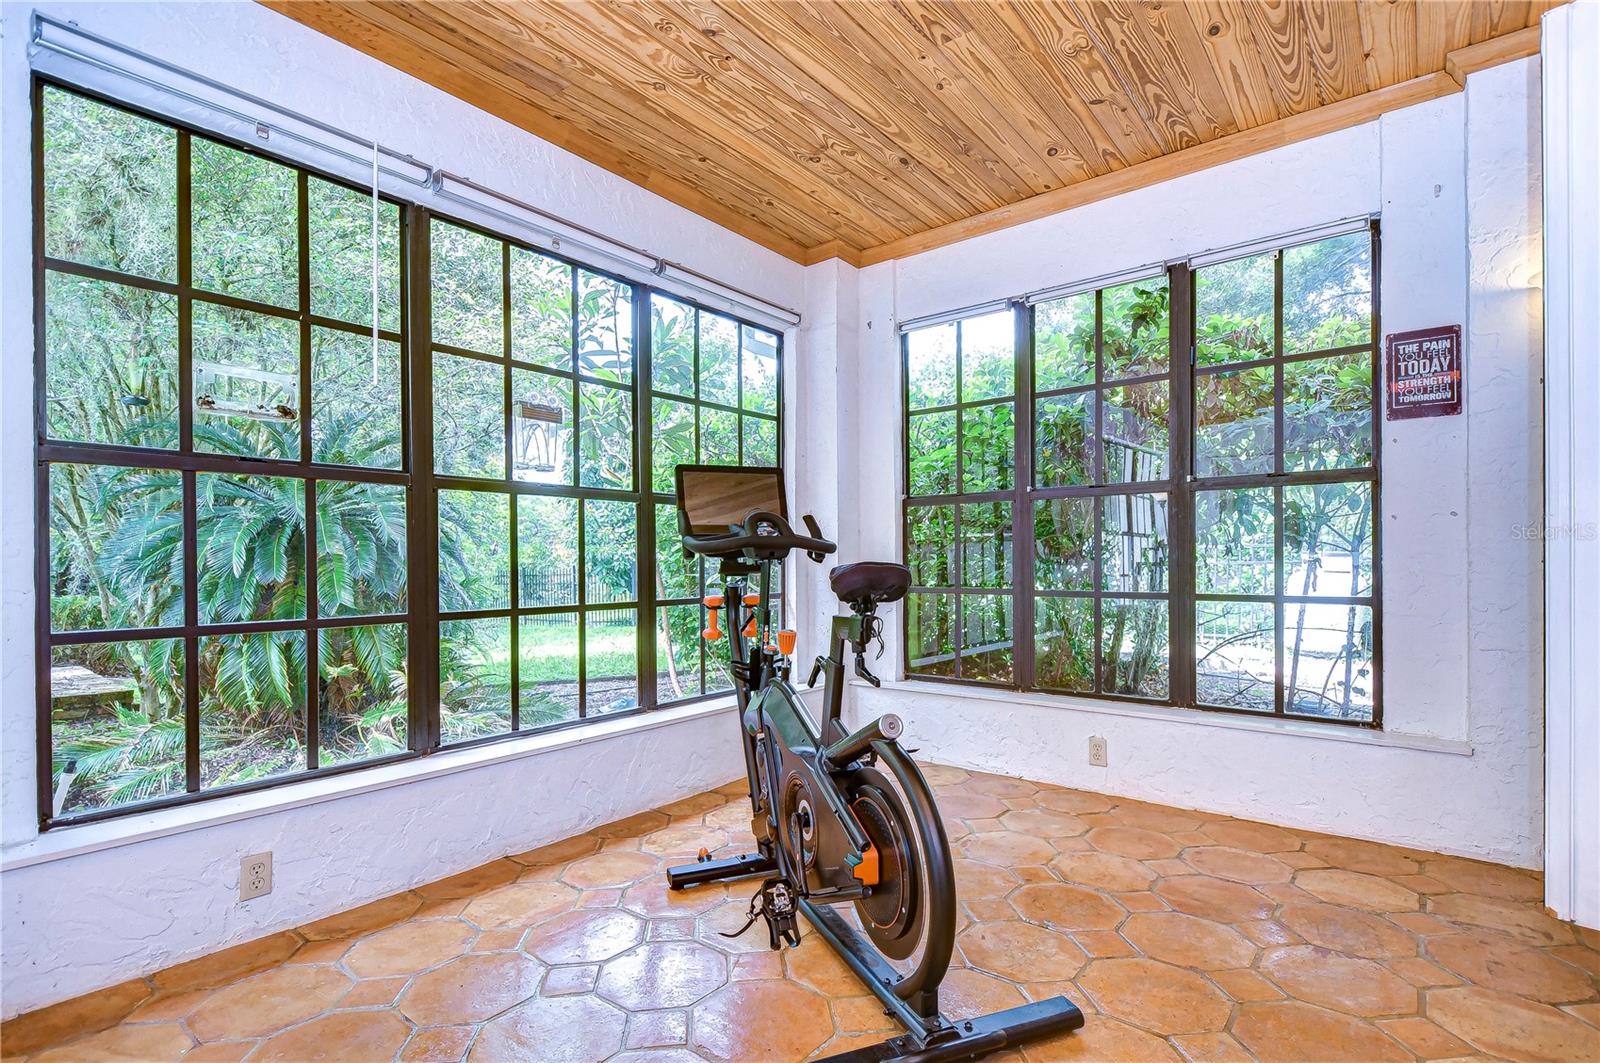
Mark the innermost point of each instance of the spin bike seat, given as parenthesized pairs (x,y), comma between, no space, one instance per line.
(870,582)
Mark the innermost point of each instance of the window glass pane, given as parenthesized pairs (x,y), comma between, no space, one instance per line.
(252,547)
(244,212)
(988,360)
(1064,440)
(116,547)
(474,550)
(1235,667)
(605,437)
(1327,540)
(541,310)
(758,361)
(1063,639)
(1327,294)
(541,427)
(110,187)
(719,359)
(111,363)
(760,441)
(671,442)
(610,554)
(715,661)
(1233,311)
(361,548)
(1063,342)
(1133,647)
(986,637)
(931,366)
(1063,544)
(340,229)
(986,545)
(1233,422)
(246,383)
(362,693)
(930,545)
(1327,661)
(677,653)
(931,634)
(252,707)
(676,576)
(1134,420)
(547,669)
(611,661)
(468,289)
(1133,543)
(605,327)
(355,400)
(1135,320)
(474,678)
(547,551)
(116,722)
(933,453)
(988,439)
(719,436)
(1327,413)
(1233,541)
(469,426)
(671,345)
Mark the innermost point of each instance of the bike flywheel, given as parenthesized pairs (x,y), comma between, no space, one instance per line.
(892,915)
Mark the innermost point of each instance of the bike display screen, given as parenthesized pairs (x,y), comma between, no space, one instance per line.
(712,497)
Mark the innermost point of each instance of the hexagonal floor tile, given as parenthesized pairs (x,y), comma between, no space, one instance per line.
(1157,996)
(576,1028)
(1343,983)
(1257,837)
(1020,951)
(1292,1032)
(1103,1040)
(621,868)
(1356,855)
(1068,908)
(667,974)
(1044,823)
(409,947)
(343,1035)
(1356,889)
(1508,1026)
(268,1002)
(1488,880)
(585,936)
(1188,941)
(153,1043)
(1237,865)
(1521,921)
(471,989)
(1103,871)
(1214,898)
(1348,931)
(1494,959)
(1005,848)
(1136,843)
(794,1022)
(520,904)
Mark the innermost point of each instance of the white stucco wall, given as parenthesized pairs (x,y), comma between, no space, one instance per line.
(1457,767)
(74,924)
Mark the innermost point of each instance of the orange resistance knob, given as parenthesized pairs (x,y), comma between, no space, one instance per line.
(866,872)
(713,601)
(712,633)
(752,599)
(786,642)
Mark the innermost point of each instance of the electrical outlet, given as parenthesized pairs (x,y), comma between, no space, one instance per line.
(1097,751)
(255,876)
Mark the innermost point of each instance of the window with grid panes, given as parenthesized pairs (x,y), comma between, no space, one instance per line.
(714,401)
(1201,529)
(229,496)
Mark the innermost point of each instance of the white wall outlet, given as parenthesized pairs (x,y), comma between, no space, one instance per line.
(1097,751)
(255,876)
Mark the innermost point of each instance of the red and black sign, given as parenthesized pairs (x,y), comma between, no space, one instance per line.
(1424,373)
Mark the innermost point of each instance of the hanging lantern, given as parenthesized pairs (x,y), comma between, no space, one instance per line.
(540,437)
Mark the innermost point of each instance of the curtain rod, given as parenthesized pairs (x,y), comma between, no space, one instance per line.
(421,179)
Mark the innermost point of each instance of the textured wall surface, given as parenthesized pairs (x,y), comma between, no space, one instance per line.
(1458,768)
(79,923)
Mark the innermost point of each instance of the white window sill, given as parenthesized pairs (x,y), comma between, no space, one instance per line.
(69,841)
(1330,732)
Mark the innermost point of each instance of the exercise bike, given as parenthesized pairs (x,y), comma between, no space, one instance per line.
(846,828)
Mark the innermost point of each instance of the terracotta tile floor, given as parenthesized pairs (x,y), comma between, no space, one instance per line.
(1182,935)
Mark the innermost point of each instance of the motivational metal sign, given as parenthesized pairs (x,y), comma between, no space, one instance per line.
(1425,373)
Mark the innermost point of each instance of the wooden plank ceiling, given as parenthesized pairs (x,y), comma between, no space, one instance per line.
(874,128)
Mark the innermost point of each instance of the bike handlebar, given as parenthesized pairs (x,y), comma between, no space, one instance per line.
(763,533)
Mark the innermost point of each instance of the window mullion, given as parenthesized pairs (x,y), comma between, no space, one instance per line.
(645,508)
(422,538)
(1180,508)
(1022,604)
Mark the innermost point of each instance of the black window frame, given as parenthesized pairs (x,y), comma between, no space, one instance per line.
(415,474)
(1181,487)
